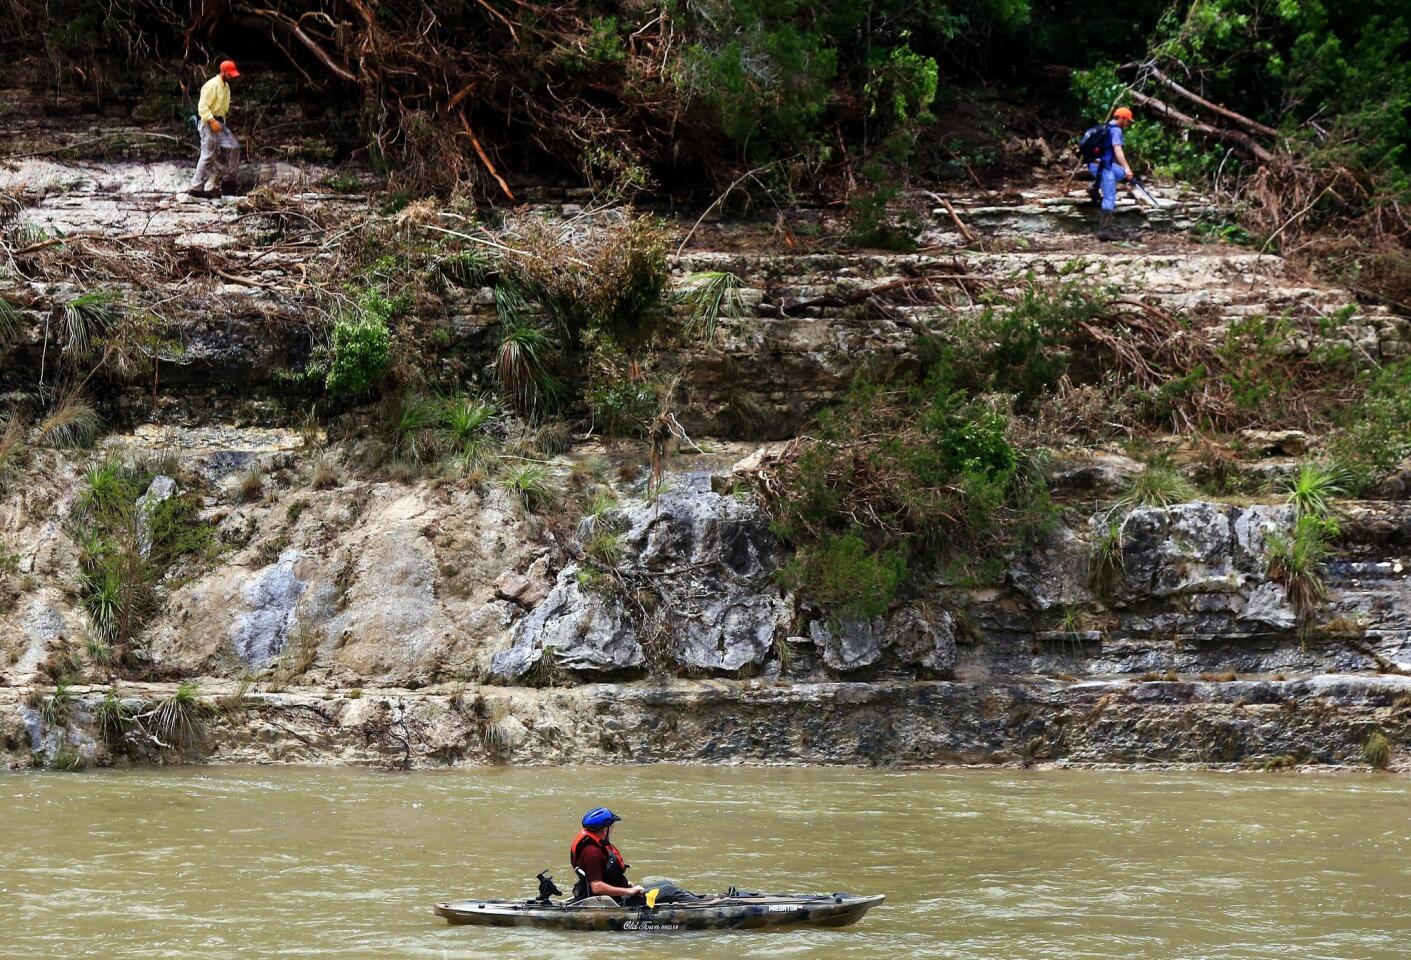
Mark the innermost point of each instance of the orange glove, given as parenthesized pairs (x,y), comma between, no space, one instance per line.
(215,125)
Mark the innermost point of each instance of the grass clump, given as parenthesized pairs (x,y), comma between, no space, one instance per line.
(411,429)
(323,475)
(1159,485)
(523,363)
(54,709)
(180,719)
(1296,561)
(251,485)
(1106,568)
(465,421)
(1312,490)
(74,425)
(710,297)
(531,484)
(1376,750)
(113,718)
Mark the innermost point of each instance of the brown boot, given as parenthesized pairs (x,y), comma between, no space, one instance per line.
(200,192)
(1105,229)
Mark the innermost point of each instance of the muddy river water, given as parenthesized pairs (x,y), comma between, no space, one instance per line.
(1002,865)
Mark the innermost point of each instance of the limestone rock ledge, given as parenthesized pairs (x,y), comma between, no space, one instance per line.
(1261,724)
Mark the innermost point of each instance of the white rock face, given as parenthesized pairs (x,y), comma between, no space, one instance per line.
(270,597)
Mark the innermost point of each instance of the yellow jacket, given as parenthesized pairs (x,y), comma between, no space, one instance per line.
(215,99)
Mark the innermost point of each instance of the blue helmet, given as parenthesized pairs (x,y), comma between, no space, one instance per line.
(599,817)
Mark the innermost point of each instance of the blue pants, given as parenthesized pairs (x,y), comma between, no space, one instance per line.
(1107,175)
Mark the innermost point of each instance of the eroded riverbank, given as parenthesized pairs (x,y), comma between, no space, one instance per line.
(241,862)
(1259,724)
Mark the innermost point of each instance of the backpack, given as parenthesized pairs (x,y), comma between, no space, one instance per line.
(1095,142)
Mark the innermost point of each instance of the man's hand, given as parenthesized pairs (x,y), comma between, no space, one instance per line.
(635,889)
(215,125)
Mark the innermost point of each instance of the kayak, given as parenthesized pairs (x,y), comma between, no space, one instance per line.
(741,912)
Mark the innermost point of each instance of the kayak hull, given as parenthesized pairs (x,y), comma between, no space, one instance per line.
(720,913)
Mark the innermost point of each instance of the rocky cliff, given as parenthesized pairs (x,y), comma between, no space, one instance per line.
(346,607)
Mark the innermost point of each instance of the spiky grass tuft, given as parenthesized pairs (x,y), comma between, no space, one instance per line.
(1297,561)
(10,322)
(54,710)
(522,363)
(711,296)
(1157,486)
(87,319)
(74,425)
(531,484)
(410,429)
(113,718)
(180,719)
(1312,490)
(465,420)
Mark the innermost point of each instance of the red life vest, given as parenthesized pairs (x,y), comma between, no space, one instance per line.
(614,870)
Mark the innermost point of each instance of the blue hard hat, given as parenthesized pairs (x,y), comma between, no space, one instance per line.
(599,817)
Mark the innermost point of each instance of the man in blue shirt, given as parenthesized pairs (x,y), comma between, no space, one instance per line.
(1109,170)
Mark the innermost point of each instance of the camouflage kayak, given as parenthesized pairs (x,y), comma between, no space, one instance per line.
(711,913)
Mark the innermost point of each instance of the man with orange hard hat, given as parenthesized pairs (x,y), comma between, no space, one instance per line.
(1110,168)
(220,151)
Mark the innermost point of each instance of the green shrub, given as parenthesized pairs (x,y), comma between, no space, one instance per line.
(897,474)
(1374,433)
(1020,343)
(845,577)
(621,396)
(360,354)
(122,554)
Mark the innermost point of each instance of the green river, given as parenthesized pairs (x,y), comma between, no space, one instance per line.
(1001,865)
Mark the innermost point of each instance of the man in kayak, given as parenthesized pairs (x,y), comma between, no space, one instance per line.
(600,868)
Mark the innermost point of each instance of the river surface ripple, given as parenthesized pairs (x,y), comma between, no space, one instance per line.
(1001,865)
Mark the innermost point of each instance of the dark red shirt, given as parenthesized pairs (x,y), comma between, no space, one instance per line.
(592,860)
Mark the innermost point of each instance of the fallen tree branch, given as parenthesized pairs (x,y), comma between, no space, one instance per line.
(1255,126)
(954,217)
(1241,141)
(485,159)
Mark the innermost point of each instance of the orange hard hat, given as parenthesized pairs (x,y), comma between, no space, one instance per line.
(1122,113)
(227,69)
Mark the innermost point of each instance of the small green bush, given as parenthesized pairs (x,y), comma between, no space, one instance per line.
(1020,343)
(845,577)
(1377,750)
(899,474)
(361,347)
(1374,434)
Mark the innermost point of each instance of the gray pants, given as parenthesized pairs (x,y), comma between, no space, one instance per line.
(220,157)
